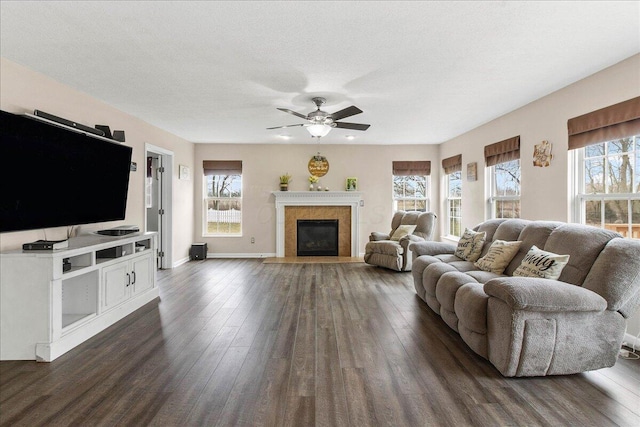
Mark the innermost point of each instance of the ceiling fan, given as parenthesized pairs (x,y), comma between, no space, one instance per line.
(321,122)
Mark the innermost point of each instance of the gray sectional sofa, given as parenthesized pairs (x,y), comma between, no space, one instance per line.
(536,326)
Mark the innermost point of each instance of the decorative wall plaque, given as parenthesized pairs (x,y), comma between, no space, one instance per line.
(542,154)
(318,165)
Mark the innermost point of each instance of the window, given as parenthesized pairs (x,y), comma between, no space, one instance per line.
(411,185)
(505,190)
(608,181)
(410,193)
(222,198)
(503,160)
(453,181)
(454,203)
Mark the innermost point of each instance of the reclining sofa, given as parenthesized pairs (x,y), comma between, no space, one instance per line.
(392,250)
(531,326)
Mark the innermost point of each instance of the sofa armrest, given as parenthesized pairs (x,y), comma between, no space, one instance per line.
(376,235)
(533,294)
(432,248)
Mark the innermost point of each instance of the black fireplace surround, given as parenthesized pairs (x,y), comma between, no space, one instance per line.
(317,237)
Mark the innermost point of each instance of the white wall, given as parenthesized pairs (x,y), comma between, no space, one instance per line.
(263,164)
(545,191)
(23,90)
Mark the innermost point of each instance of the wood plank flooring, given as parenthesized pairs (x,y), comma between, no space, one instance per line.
(240,342)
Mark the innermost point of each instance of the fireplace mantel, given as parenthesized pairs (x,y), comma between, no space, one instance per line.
(318,198)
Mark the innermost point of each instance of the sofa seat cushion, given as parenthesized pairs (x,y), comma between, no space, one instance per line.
(483,276)
(448,258)
(463,266)
(448,286)
(385,247)
(432,274)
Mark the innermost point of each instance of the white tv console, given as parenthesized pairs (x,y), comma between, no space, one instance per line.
(45,311)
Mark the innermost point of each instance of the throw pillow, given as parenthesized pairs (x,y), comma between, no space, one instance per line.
(539,263)
(402,231)
(470,245)
(499,256)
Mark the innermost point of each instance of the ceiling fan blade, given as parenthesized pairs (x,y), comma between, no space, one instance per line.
(286,110)
(287,126)
(353,126)
(347,112)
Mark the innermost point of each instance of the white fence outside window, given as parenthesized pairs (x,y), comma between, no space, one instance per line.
(230,216)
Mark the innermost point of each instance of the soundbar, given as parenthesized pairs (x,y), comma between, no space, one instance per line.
(68,123)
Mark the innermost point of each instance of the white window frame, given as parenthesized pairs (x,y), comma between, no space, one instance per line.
(205,204)
(493,198)
(580,198)
(449,200)
(427,191)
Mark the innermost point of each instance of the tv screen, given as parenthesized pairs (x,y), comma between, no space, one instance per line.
(54,177)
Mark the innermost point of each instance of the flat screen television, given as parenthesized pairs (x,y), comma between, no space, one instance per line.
(52,176)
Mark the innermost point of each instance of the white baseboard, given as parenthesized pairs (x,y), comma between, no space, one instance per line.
(180,262)
(240,255)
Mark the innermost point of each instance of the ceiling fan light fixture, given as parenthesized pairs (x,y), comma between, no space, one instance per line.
(318,130)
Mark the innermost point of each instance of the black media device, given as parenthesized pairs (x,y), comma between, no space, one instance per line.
(115,252)
(52,176)
(119,231)
(69,123)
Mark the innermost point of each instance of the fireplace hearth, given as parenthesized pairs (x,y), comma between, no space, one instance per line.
(317,237)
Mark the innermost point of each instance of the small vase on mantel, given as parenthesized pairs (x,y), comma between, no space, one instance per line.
(319,188)
(310,187)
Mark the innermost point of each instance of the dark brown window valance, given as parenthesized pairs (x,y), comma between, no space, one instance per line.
(503,151)
(452,164)
(617,121)
(222,167)
(421,168)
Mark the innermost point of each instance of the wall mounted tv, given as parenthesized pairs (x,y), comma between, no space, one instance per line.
(52,176)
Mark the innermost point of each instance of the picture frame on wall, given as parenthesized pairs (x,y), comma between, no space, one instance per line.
(184,172)
(472,171)
(351,184)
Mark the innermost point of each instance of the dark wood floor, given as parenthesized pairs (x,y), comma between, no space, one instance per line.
(238,342)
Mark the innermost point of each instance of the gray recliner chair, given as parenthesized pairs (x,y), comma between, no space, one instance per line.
(383,251)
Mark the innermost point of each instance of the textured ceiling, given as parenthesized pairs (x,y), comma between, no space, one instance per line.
(422,72)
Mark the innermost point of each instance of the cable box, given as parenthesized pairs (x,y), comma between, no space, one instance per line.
(45,245)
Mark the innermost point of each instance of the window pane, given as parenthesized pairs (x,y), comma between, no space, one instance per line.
(616,212)
(637,165)
(594,176)
(593,213)
(455,184)
(507,178)
(455,219)
(398,187)
(224,216)
(620,146)
(507,209)
(620,174)
(224,186)
(635,219)
(594,150)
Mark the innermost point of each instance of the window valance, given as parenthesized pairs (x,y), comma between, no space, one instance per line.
(408,168)
(503,151)
(617,121)
(222,167)
(452,164)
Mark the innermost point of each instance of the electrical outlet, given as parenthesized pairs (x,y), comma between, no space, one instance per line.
(361,203)
(253,240)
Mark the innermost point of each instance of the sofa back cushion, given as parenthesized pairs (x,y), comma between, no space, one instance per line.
(425,225)
(489,228)
(615,275)
(396,221)
(535,233)
(583,243)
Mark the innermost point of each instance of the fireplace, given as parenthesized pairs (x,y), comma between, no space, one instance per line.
(294,205)
(317,237)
